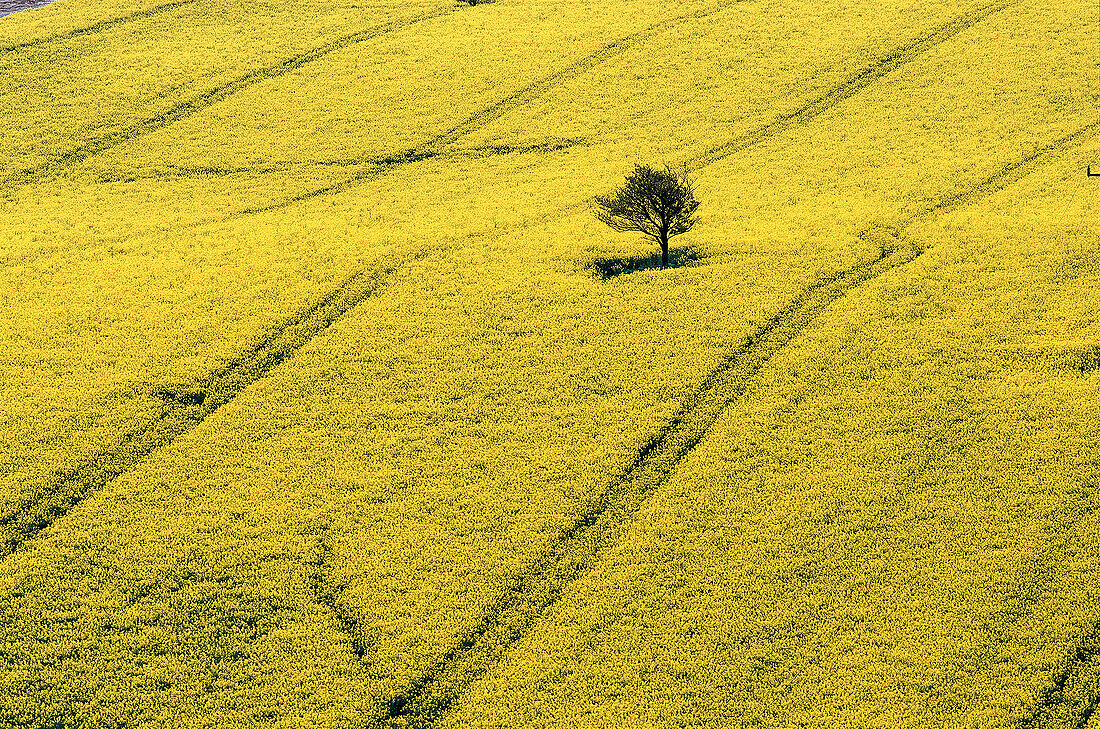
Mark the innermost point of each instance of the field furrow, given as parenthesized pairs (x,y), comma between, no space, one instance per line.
(1013,171)
(185,407)
(178,173)
(574,552)
(525,96)
(375,167)
(533,91)
(97,27)
(136,130)
(1071,701)
(882,66)
(184,109)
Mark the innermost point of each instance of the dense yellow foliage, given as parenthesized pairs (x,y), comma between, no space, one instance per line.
(895,524)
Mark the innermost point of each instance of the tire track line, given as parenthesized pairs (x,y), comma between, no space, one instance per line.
(378,166)
(97,27)
(882,66)
(530,93)
(1011,172)
(481,118)
(1057,706)
(205,100)
(325,594)
(864,78)
(576,550)
(172,172)
(185,409)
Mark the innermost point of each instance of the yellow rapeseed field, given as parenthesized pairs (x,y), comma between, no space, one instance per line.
(326,401)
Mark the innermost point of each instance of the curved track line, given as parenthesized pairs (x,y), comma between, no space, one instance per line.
(1056,705)
(1074,696)
(97,27)
(531,92)
(378,166)
(325,594)
(1011,172)
(849,88)
(200,102)
(576,550)
(375,167)
(172,172)
(185,409)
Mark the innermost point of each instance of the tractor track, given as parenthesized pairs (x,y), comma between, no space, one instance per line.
(184,409)
(882,66)
(533,91)
(325,594)
(97,27)
(1074,695)
(575,550)
(1011,172)
(172,172)
(205,100)
(375,167)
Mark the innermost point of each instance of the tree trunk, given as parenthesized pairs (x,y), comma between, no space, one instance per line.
(664,252)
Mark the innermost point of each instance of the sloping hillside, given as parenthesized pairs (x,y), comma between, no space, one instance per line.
(319,408)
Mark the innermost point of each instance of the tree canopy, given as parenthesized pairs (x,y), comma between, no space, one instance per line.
(657,203)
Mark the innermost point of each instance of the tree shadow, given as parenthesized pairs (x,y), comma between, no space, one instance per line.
(607,267)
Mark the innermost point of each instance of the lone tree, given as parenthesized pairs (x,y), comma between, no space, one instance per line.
(657,203)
